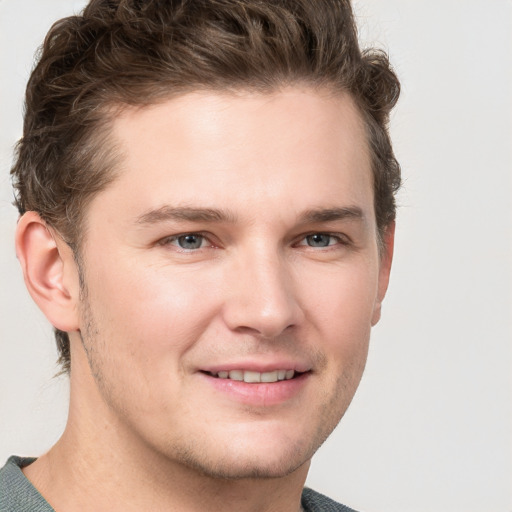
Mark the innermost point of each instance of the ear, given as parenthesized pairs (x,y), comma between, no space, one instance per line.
(386,259)
(49,270)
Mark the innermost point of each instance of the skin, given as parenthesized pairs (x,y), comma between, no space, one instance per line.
(284,270)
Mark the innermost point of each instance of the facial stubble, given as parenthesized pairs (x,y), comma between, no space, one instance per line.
(194,456)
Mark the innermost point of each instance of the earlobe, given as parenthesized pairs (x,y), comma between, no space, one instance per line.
(386,259)
(49,271)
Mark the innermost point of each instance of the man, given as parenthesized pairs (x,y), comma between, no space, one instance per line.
(206,191)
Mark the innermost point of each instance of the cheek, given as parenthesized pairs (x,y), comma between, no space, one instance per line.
(152,310)
(341,310)
(342,301)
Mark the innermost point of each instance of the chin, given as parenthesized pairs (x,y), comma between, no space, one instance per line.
(245,466)
(261,454)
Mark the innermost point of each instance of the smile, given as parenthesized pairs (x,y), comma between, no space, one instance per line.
(255,377)
(261,389)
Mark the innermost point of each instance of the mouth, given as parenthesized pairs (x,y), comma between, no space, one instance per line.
(271,387)
(253,377)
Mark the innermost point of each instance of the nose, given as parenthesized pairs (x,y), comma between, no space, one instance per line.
(262,296)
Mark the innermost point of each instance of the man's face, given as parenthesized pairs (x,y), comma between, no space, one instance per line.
(238,242)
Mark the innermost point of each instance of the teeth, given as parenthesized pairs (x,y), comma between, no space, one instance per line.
(251,377)
(269,377)
(236,375)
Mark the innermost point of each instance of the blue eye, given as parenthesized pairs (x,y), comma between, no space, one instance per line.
(320,240)
(187,242)
(190,241)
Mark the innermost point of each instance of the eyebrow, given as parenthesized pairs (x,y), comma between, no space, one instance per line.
(191,214)
(167,213)
(331,214)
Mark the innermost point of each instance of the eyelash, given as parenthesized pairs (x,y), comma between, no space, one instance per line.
(169,239)
(340,240)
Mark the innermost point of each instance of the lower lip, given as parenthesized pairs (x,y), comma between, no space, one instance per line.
(259,394)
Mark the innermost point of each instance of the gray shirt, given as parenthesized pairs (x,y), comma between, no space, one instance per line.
(17,494)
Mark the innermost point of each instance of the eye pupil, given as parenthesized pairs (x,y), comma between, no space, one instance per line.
(318,240)
(190,241)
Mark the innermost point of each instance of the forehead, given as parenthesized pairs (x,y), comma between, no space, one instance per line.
(297,149)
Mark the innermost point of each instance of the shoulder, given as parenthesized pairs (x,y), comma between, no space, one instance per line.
(313,501)
(17,494)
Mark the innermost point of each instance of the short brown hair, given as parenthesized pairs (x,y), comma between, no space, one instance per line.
(139,52)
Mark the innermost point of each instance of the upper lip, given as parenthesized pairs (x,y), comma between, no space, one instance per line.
(258,366)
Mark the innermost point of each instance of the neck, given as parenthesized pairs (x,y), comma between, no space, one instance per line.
(75,479)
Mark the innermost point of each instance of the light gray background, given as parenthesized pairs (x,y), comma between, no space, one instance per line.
(430,428)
